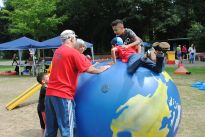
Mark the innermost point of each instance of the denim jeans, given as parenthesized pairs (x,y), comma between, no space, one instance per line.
(137,60)
(60,113)
(191,58)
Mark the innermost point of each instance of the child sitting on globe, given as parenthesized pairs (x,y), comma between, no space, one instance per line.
(153,59)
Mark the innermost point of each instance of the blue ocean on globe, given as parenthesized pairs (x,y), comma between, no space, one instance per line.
(116,104)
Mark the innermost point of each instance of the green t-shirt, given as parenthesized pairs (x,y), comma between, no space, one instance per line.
(178,49)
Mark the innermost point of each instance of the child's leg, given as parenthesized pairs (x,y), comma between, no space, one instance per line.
(134,62)
(16,62)
(160,62)
(42,122)
(156,67)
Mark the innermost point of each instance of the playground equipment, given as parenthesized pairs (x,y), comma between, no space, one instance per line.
(116,104)
(18,100)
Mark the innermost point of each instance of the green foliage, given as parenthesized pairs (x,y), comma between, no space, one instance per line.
(4,22)
(197,33)
(151,19)
(36,18)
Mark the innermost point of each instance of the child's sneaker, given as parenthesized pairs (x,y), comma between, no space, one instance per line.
(161,46)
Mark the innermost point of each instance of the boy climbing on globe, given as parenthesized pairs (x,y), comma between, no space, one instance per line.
(153,59)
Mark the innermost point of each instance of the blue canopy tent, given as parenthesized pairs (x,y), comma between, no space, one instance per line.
(56,42)
(20,44)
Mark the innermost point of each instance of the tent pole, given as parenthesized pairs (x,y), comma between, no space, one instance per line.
(39,53)
(34,65)
(32,52)
(43,54)
(19,57)
(92,53)
(19,62)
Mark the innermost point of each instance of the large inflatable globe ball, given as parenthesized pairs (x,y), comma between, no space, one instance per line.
(116,104)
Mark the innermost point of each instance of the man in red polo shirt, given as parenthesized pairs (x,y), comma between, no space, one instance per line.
(67,63)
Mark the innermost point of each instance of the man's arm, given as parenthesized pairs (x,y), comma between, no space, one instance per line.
(94,70)
(136,43)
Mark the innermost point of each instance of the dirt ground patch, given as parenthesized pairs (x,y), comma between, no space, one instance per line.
(22,121)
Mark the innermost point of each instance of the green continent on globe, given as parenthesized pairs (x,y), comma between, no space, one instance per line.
(142,115)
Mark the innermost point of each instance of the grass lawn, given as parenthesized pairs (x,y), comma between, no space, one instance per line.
(6,68)
(5,60)
(193,102)
(193,70)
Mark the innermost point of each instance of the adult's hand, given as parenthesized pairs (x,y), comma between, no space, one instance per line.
(103,68)
(111,63)
(95,70)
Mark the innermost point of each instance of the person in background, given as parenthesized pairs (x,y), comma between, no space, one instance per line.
(194,47)
(67,64)
(184,52)
(179,53)
(14,58)
(42,79)
(191,54)
(128,36)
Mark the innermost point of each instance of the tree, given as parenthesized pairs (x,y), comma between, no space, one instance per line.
(197,33)
(36,18)
(4,23)
(91,20)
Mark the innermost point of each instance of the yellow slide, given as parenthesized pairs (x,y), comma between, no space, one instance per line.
(23,96)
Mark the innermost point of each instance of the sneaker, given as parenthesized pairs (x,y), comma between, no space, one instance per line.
(161,46)
(164,45)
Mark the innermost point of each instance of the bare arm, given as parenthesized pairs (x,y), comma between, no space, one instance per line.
(94,70)
(139,48)
(113,50)
(113,54)
(135,43)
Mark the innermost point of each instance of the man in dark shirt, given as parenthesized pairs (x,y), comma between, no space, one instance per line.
(128,36)
(42,78)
